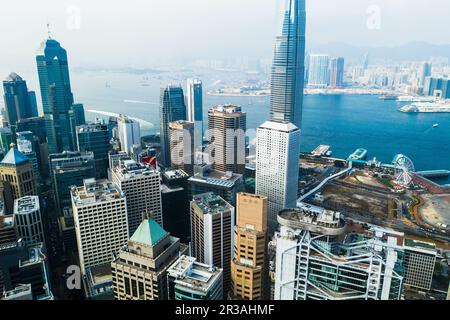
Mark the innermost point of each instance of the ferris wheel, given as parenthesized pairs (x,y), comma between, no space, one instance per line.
(404,170)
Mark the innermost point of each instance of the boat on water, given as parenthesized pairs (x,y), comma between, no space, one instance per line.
(427,107)
(388,97)
(415,99)
(435,125)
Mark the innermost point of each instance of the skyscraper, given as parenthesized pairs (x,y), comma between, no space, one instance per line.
(172,108)
(140,269)
(28,219)
(76,118)
(288,68)
(19,102)
(249,267)
(212,222)
(57,97)
(226,135)
(129,134)
(336,73)
(141,184)
(318,71)
(194,112)
(100,213)
(277,167)
(181,141)
(424,72)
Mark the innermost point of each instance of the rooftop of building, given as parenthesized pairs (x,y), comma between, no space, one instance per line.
(14,157)
(13,77)
(92,127)
(165,189)
(26,204)
(282,126)
(175,174)
(181,124)
(6,221)
(94,191)
(218,178)
(314,219)
(194,275)
(416,244)
(21,292)
(128,169)
(211,203)
(149,233)
(227,110)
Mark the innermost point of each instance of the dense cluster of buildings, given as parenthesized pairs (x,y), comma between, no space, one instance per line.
(175,220)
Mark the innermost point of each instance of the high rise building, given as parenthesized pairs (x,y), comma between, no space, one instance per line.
(424,72)
(69,169)
(288,67)
(277,167)
(437,87)
(57,97)
(194,112)
(140,268)
(76,118)
(249,267)
(19,102)
(181,142)
(212,222)
(336,72)
(191,280)
(94,137)
(6,138)
(16,170)
(7,227)
(129,134)
(172,108)
(141,185)
(100,213)
(316,259)
(419,261)
(226,135)
(318,71)
(27,148)
(28,219)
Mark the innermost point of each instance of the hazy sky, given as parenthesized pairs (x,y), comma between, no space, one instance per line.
(152,32)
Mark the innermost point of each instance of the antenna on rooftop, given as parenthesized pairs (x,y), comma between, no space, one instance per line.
(49,32)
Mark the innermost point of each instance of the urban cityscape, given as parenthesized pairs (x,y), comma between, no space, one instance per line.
(307,175)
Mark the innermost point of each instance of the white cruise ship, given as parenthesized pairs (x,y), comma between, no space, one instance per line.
(415,99)
(427,107)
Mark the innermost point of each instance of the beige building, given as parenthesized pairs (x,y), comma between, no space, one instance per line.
(226,133)
(249,268)
(141,185)
(212,222)
(140,269)
(100,216)
(181,140)
(16,171)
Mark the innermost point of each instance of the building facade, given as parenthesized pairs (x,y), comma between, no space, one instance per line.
(19,102)
(336,73)
(28,219)
(129,134)
(181,142)
(420,260)
(194,99)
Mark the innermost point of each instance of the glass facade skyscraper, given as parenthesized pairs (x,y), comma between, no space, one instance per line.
(57,97)
(19,102)
(319,74)
(288,69)
(194,106)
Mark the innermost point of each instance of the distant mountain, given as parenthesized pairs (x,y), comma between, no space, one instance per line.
(413,51)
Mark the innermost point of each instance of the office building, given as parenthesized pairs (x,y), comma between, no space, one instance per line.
(19,102)
(172,108)
(277,167)
(28,219)
(181,143)
(129,134)
(100,214)
(191,280)
(7,228)
(6,138)
(288,67)
(249,267)
(98,283)
(175,204)
(336,73)
(424,72)
(24,265)
(212,222)
(224,184)
(56,93)
(141,185)
(437,87)
(139,270)
(69,169)
(16,170)
(94,138)
(419,261)
(76,118)
(6,198)
(316,259)
(27,148)
(194,112)
(318,71)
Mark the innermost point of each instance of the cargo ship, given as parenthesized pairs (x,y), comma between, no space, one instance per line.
(427,107)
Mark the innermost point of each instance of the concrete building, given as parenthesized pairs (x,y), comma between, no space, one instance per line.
(28,219)
(419,261)
(129,134)
(139,270)
(249,267)
(191,280)
(277,167)
(7,227)
(100,214)
(141,184)
(316,259)
(181,141)
(318,70)
(336,73)
(98,283)
(212,222)
(226,136)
